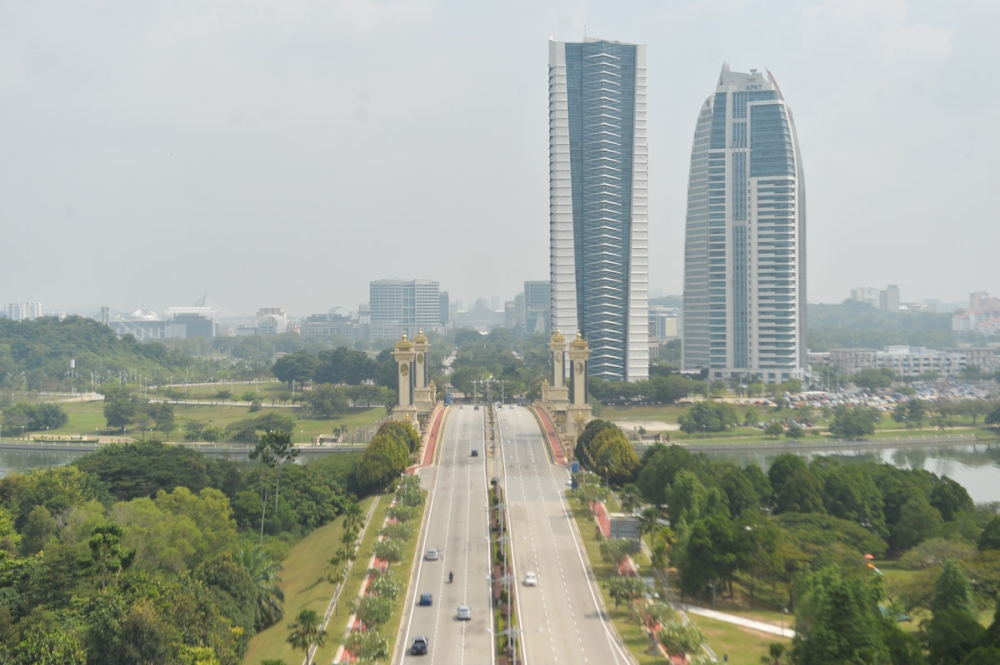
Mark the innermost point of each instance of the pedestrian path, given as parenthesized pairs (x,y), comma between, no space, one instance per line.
(759,626)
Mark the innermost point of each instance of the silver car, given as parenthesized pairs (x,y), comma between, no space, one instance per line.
(464,613)
(432,555)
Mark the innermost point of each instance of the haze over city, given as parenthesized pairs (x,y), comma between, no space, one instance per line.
(288,154)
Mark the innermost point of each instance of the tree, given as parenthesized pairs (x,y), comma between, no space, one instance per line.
(951,499)
(625,590)
(368,646)
(795,432)
(373,611)
(613,457)
(800,494)
(680,639)
(264,574)
(326,401)
(108,556)
(774,429)
(306,631)
(873,379)
(630,498)
(275,449)
(775,652)
(383,461)
(993,418)
(659,465)
(582,451)
(615,550)
(37,530)
(989,539)
(854,422)
(782,469)
(708,416)
(740,494)
(953,592)
(688,497)
(296,367)
(751,418)
(838,621)
(918,521)
(950,636)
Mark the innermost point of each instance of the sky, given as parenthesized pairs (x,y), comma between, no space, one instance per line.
(282,153)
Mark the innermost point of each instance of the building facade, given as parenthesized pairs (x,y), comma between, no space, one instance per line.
(399,306)
(745,238)
(598,237)
(907,361)
(24,311)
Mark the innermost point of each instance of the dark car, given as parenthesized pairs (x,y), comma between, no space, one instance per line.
(426,599)
(475,453)
(419,647)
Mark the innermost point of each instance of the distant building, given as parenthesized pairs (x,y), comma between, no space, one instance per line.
(399,306)
(271,321)
(445,310)
(888,300)
(143,324)
(663,324)
(534,307)
(196,321)
(866,294)
(907,361)
(24,311)
(338,321)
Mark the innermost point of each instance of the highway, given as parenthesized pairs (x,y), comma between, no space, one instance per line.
(456,525)
(562,618)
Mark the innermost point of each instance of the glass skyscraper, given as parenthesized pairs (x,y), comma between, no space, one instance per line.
(744,255)
(597,202)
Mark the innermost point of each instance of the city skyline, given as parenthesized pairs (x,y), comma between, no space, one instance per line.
(154,193)
(598,229)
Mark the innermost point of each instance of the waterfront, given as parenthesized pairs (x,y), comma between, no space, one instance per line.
(975,466)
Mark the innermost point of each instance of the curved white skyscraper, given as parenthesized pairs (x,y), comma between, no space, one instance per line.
(744,251)
(598,235)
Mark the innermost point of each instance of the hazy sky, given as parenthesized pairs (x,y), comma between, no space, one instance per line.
(284,153)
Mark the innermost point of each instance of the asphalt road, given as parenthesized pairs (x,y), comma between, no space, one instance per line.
(457,527)
(562,618)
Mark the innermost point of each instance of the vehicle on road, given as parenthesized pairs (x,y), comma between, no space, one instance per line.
(464,613)
(419,647)
(530,579)
(432,555)
(475,453)
(476,407)
(426,599)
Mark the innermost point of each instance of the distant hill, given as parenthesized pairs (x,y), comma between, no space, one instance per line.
(855,325)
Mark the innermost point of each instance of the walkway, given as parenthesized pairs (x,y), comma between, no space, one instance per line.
(759,626)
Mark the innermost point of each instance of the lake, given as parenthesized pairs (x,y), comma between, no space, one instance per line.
(975,466)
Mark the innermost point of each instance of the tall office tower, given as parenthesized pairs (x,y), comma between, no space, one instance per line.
(399,306)
(744,254)
(598,253)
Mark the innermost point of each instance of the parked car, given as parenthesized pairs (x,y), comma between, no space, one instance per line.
(464,613)
(426,599)
(419,647)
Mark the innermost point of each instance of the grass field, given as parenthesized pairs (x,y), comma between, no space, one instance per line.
(633,635)
(742,645)
(305,586)
(86,418)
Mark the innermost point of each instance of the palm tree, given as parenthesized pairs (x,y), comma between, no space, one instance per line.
(353,518)
(264,573)
(306,631)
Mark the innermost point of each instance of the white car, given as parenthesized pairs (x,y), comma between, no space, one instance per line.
(530,579)
(464,613)
(432,555)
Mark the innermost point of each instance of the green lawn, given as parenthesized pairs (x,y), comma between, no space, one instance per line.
(306,587)
(633,635)
(87,417)
(338,623)
(742,645)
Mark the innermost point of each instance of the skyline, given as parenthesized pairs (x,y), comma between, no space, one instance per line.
(161,152)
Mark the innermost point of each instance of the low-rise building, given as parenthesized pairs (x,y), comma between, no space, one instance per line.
(907,361)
